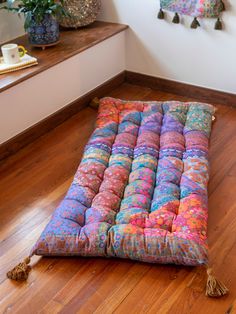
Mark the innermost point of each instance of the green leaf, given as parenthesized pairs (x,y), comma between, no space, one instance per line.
(36,9)
(28,19)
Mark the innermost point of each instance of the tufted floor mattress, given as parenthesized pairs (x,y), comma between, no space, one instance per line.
(140,191)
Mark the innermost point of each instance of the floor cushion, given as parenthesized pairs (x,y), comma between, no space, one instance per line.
(140,191)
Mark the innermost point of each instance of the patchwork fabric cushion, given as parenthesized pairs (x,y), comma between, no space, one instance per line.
(140,191)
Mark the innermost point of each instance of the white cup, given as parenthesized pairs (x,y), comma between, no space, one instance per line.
(12,53)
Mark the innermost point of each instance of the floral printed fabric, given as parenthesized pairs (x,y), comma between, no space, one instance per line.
(195,8)
(140,191)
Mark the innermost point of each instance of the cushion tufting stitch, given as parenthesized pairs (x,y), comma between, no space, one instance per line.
(140,191)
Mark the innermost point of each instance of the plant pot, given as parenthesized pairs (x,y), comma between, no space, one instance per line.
(44,33)
(82,12)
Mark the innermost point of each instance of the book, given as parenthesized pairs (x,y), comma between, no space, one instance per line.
(25,62)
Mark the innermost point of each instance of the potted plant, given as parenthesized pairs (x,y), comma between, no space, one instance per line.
(41,19)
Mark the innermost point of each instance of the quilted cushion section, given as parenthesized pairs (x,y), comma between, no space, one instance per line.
(140,191)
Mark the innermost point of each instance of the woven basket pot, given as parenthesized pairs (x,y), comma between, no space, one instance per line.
(82,12)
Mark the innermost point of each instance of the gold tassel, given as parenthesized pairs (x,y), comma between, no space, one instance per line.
(218,24)
(161,15)
(215,288)
(94,103)
(21,271)
(176,19)
(195,23)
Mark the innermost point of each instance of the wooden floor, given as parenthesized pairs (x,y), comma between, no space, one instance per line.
(35,180)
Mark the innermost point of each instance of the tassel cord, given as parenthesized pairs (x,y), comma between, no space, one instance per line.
(218,24)
(94,103)
(161,14)
(195,23)
(176,18)
(21,271)
(214,287)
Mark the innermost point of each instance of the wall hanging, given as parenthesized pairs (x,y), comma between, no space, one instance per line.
(195,8)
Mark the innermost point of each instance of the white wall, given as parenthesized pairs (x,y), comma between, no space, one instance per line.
(202,57)
(11,26)
(25,104)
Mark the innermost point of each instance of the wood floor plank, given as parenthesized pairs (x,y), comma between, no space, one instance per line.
(32,183)
(84,276)
(115,282)
(150,288)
